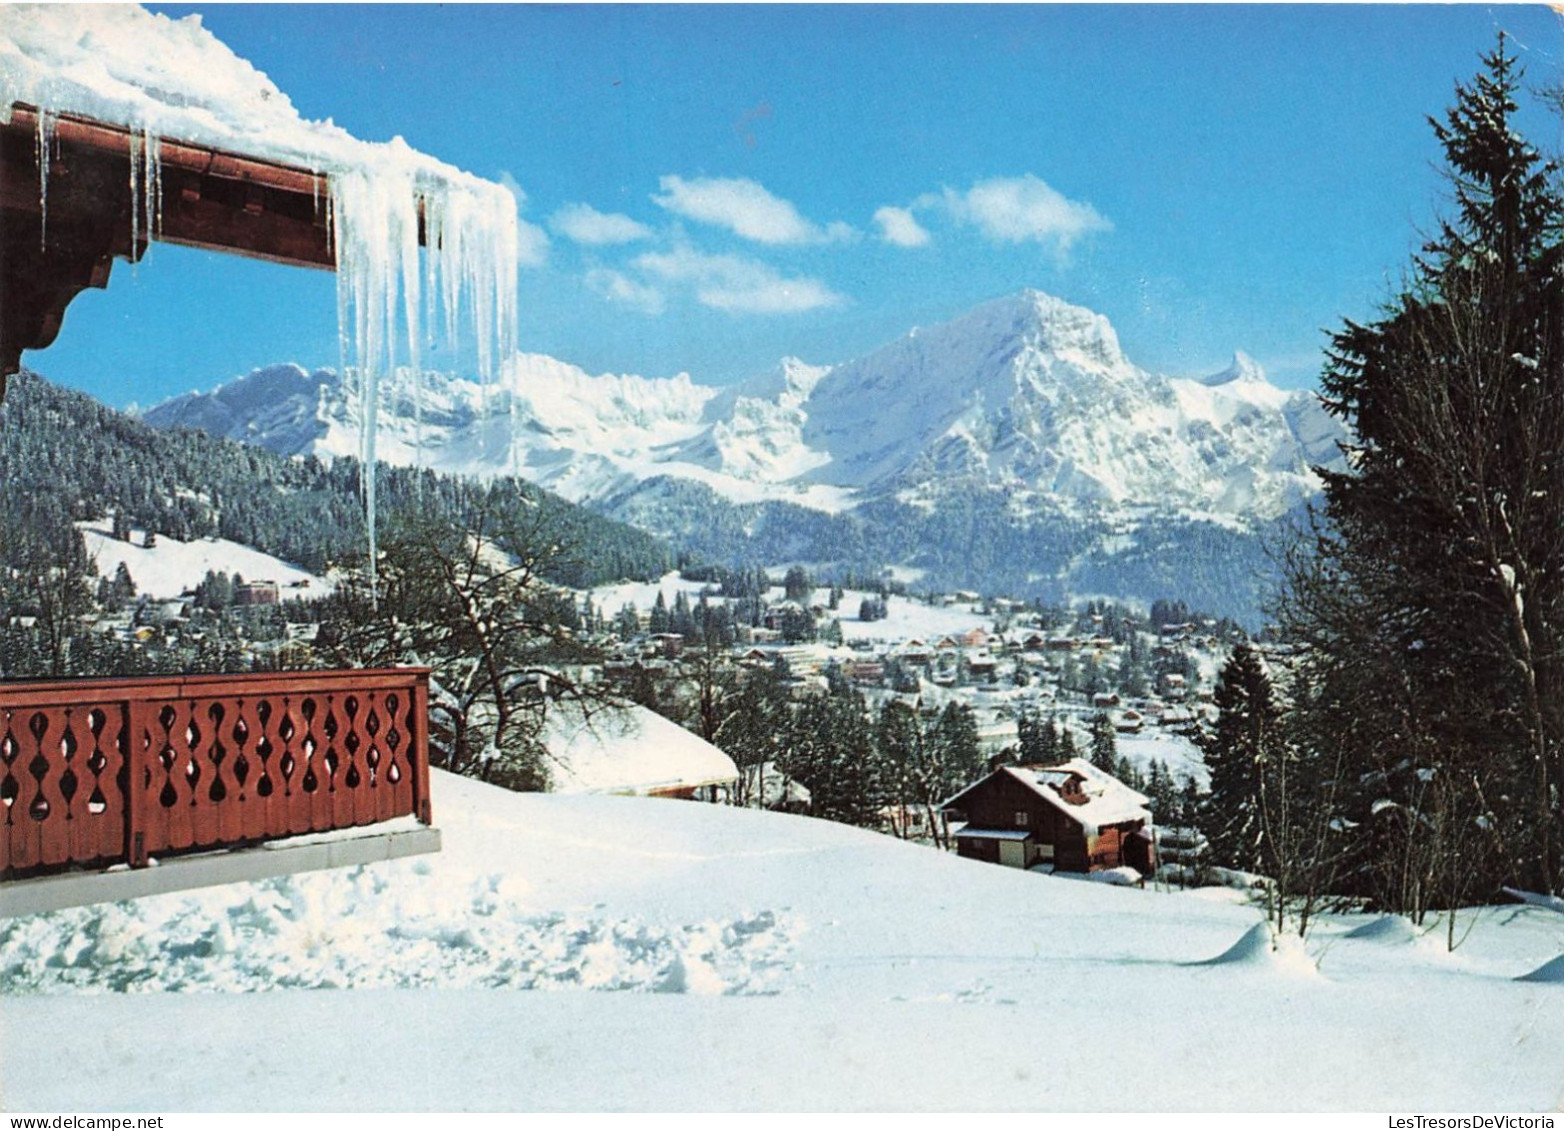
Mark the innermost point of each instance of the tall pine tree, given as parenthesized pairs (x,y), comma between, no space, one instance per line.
(1247,735)
(1434,604)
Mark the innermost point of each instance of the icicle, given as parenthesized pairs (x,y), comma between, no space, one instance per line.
(420,386)
(45,145)
(471,251)
(151,184)
(370,470)
(135,186)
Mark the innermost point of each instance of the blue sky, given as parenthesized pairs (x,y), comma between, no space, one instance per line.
(709,188)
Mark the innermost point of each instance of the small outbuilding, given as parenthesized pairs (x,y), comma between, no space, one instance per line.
(631,750)
(1072,817)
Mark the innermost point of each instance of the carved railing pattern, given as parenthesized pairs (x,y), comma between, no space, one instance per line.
(101,772)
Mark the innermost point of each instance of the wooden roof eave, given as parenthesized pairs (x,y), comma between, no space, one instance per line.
(210,198)
(207,198)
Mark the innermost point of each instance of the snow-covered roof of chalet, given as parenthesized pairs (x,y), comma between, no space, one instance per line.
(1108,800)
(627,750)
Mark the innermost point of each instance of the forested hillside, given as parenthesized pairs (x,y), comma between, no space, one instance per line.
(66,457)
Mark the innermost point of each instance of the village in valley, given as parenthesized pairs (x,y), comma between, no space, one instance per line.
(1125,691)
(1130,693)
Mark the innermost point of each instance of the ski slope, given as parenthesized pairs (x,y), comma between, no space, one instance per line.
(611,953)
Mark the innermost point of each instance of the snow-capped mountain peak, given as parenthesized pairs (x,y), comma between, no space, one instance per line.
(1027,393)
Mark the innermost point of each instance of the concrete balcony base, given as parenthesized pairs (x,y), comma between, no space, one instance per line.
(207,869)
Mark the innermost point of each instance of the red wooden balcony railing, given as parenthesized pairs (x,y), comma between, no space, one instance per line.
(113,771)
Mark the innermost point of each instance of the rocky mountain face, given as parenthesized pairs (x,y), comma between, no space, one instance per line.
(1026,403)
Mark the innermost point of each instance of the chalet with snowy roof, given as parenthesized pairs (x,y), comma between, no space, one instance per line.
(1129,721)
(866,673)
(256,593)
(1071,817)
(668,644)
(976,638)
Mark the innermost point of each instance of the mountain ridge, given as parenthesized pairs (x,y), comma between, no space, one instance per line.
(1014,449)
(1026,393)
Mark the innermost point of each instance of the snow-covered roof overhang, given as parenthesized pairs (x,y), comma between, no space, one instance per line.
(212,197)
(992,834)
(122,126)
(69,208)
(1108,800)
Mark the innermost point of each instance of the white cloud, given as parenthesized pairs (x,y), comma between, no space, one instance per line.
(745,208)
(737,284)
(532,244)
(1021,209)
(900,227)
(625,291)
(585,224)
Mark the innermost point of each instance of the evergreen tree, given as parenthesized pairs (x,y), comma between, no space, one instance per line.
(627,622)
(681,620)
(1105,743)
(122,587)
(661,621)
(797,625)
(1163,792)
(830,749)
(1189,800)
(1129,773)
(1444,538)
(1247,735)
(797,585)
(1036,740)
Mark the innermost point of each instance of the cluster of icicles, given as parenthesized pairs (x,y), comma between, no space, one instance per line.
(396,293)
(387,291)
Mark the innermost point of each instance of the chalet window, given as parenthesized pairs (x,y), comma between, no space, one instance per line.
(1021,820)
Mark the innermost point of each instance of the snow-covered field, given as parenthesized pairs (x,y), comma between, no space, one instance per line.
(172,567)
(588,952)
